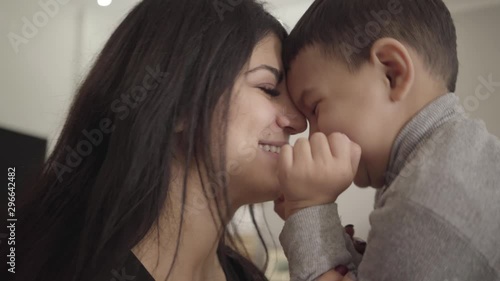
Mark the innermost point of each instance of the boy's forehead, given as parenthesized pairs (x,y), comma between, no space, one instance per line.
(307,54)
(310,62)
(317,57)
(304,71)
(313,66)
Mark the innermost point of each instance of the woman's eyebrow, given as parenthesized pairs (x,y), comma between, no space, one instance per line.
(278,73)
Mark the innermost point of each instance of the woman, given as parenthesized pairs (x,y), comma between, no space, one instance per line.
(177,125)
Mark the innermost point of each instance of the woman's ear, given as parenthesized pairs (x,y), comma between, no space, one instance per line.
(395,61)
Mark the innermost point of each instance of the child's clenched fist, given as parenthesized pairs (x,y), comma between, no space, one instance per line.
(316,171)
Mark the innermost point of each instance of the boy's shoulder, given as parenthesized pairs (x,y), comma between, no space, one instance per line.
(458,157)
(455,175)
(458,151)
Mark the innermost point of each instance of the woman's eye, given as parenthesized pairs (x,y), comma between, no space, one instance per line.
(270,91)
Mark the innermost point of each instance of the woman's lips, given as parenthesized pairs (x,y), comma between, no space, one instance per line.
(270,148)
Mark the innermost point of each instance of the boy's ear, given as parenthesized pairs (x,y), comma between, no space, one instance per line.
(395,61)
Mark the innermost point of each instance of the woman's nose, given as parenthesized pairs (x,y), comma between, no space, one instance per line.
(292,121)
(289,117)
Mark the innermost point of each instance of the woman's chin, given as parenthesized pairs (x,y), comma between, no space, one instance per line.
(266,196)
(274,194)
(269,156)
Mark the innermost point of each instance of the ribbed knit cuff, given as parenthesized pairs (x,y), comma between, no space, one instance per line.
(313,242)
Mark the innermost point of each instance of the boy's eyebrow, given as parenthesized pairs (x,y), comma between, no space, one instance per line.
(277,73)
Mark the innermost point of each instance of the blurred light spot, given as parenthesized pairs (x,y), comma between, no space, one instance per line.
(104,3)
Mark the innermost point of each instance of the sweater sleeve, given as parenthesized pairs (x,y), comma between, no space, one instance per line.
(407,242)
(313,241)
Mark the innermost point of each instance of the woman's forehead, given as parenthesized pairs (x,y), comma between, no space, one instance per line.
(267,51)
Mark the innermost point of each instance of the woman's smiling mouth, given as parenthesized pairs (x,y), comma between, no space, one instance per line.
(273,147)
(270,148)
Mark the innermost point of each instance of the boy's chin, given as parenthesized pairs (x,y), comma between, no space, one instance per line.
(362,180)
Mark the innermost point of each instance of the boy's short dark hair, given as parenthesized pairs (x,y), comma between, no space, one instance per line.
(347,29)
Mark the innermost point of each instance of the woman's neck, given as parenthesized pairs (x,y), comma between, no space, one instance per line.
(196,258)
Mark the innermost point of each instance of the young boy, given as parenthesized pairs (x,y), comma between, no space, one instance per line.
(383,72)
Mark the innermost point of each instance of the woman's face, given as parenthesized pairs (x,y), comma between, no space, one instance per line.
(261,119)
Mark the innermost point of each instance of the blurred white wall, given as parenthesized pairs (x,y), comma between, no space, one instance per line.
(479,56)
(38,76)
(54,46)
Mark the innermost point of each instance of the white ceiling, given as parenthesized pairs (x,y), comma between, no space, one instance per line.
(288,11)
(454,5)
(457,6)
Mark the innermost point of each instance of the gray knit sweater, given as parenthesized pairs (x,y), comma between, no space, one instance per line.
(437,219)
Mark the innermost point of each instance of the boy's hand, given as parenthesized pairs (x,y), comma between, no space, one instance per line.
(316,171)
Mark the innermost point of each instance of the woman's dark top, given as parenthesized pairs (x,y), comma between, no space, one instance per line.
(234,265)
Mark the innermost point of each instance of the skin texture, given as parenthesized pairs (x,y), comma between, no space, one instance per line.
(255,180)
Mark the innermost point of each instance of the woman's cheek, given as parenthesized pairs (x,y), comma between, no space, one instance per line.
(247,152)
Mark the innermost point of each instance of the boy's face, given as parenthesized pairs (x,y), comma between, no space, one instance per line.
(356,104)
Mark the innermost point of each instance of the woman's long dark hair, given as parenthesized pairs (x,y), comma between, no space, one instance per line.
(169,62)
